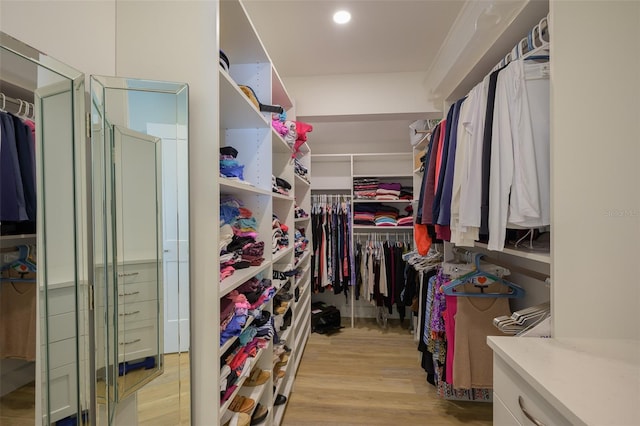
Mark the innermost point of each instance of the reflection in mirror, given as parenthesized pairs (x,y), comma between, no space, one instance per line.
(140,187)
(43,285)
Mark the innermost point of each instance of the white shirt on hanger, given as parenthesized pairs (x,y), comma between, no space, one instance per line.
(514,196)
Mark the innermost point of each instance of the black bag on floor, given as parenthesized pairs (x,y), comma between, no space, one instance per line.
(324,318)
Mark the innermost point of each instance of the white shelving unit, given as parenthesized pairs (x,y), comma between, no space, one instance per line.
(264,155)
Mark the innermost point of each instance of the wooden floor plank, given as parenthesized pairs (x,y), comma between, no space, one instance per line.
(370,376)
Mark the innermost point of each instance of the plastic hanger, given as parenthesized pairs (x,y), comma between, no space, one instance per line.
(540,52)
(450,288)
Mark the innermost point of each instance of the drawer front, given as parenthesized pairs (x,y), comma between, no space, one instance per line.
(62,326)
(138,292)
(501,414)
(138,272)
(61,353)
(131,312)
(510,386)
(132,273)
(139,340)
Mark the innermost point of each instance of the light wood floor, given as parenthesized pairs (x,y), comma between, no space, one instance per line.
(369,376)
(163,402)
(18,407)
(360,376)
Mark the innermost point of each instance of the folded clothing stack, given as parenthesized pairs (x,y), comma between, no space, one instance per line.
(388,191)
(386,216)
(377,214)
(239,248)
(241,303)
(280,185)
(365,188)
(299,212)
(238,359)
(300,244)
(300,170)
(296,134)
(229,166)
(280,235)
(406,220)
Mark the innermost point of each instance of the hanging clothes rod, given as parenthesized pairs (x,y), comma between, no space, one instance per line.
(28,106)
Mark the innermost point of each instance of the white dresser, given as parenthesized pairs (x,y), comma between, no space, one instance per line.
(565,382)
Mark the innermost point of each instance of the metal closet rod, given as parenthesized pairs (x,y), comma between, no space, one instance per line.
(4,99)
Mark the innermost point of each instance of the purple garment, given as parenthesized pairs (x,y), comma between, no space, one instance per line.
(439,305)
(25,165)
(430,184)
(444,216)
(12,205)
(390,186)
(439,182)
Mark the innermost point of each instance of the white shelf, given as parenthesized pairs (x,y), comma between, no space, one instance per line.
(277,196)
(302,181)
(238,37)
(384,176)
(239,384)
(277,256)
(278,143)
(384,228)
(17,239)
(302,219)
(236,109)
(233,187)
(360,200)
(538,256)
(240,276)
(418,172)
(279,94)
(306,254)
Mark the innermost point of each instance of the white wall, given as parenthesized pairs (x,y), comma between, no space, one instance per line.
(360,94)
(78,33)
(595,74)
(156,40)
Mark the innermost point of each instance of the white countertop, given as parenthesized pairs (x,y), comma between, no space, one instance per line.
(591,382)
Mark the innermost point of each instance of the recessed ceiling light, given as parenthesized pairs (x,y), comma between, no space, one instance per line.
(341,17)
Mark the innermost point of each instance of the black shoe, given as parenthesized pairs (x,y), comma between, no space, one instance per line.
(280,399)
(259,414)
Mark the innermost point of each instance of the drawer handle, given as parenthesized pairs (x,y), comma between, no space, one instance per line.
(129,313)
(130,274)
(128,343)
(526,413)
(129,294)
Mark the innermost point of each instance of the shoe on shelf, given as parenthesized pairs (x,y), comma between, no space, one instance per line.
(259,414)
(239,419)
(280,399)
(257,377)
(242,404)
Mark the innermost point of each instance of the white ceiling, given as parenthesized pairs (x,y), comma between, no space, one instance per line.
(384,36)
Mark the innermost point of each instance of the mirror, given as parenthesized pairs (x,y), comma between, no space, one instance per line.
(140,202)
(43,280)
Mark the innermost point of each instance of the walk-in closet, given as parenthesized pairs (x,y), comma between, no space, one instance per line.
(267,212)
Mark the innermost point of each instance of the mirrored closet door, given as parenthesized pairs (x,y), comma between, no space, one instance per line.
(94,281)
(140,187)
